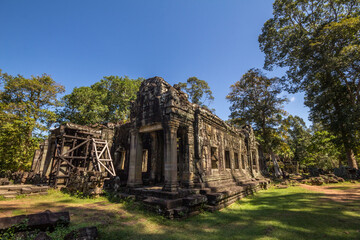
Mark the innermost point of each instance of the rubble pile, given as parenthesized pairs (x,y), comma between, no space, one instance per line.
(21,177)
(328,178)
(89,183)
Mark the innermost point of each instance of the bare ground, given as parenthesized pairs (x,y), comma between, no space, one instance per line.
(337,193)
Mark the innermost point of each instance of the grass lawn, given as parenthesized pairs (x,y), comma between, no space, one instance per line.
(292,213)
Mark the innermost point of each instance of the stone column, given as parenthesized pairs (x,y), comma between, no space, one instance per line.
(170,158)
(187,175)
(135,163)
(154,156)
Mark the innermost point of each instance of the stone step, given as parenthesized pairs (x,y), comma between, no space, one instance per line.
(9,196)
(155,193)
(163,203)
(221,183)
(193,200)
(180,212)
(22,189)
(225,186)
(7,193)
(216,197)
(205,191)
(195,190)
(14,187)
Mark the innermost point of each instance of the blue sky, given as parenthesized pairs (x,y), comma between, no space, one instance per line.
(79,42)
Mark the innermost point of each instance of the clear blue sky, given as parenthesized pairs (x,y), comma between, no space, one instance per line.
(79,42)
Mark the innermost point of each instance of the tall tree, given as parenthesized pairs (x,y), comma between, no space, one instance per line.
(198,90)
(27,109)
(318,41)
(105,101)
(255,100)
(297,136)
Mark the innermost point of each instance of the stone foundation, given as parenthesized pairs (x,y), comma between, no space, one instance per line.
(11,191)
(190,201)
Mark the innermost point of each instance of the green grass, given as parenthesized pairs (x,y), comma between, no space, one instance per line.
(292,213)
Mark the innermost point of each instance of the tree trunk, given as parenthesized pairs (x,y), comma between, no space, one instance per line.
(349,152)
(351,158)
(277,170)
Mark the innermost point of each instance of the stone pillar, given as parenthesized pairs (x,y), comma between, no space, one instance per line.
(187,175)
(170,158)
(154,156)
(135,163)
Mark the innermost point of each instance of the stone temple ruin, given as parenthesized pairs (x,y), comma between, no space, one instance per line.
(172,155)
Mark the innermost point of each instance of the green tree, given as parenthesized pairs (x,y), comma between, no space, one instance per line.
(297,136)
(198,90)
(318,41)
(105,101)
(322,152)
(255,101)
(27,110)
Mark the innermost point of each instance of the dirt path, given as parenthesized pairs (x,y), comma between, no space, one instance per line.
(337,193)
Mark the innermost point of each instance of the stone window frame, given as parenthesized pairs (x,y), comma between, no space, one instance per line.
(216,153)
(253,156)
(227,162)
(236,161)
(243,161)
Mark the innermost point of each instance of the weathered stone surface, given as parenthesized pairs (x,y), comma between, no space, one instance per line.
(187,147)
(41,221)
(4,181)
(86,233)
(175,156)
(42,236)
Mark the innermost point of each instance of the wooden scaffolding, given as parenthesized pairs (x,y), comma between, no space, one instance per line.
(81,148)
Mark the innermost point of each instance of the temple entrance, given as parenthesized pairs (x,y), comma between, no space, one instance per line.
(153,158)
(181,152)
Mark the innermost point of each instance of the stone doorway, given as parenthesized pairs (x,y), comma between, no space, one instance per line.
(153,158)
(181,152)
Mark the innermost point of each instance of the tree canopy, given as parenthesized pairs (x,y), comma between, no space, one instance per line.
(198,90)
(318,41)
(27,109)
(255,99)
(105,101)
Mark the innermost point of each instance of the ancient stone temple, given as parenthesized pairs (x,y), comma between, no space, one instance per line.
(174,156)
(175,150)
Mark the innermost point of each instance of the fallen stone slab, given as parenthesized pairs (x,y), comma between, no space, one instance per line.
(4,181)
(42,221)
(42,236)
(86,233)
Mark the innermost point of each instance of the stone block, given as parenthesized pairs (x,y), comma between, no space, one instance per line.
(86,233)
(26,190)
(40,221)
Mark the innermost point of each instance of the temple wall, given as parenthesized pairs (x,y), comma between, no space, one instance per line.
(225,152)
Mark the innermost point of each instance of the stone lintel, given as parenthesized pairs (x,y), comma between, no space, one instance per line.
(151,128)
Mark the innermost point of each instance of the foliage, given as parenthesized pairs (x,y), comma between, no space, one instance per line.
(198,90)
(318,41)
(105,101)
(255,100)
(297,137)
(26,111)
(322,152)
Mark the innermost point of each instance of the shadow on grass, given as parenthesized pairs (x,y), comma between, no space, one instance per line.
(275,214)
